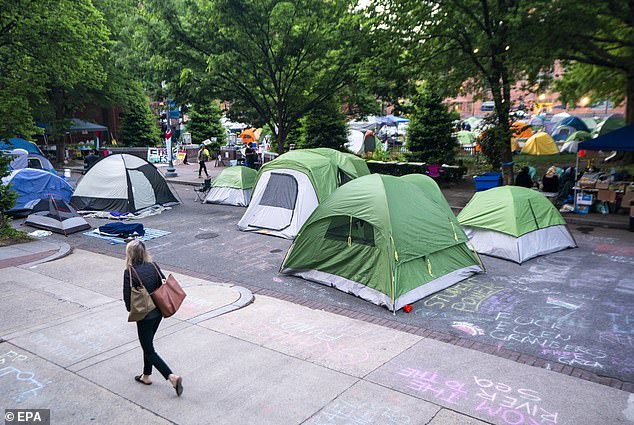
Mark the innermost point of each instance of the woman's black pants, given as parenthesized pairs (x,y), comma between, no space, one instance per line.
(146,329)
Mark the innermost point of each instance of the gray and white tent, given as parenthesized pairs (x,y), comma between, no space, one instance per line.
(122,183)
(57,216)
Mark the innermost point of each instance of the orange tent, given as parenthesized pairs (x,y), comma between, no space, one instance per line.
(521,130)
(247,135)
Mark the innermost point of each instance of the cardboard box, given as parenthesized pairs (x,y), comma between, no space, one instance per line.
(585,199)
(627,200)
(587,184)
(602,184)
(606,195)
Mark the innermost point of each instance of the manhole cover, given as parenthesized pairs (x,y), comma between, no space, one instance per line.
(585,230)
(275,251)
(206,235)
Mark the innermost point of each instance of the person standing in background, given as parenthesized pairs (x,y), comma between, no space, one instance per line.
(203,157)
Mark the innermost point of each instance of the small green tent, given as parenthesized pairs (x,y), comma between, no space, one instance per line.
(232,187)
(384,239)
(514,223)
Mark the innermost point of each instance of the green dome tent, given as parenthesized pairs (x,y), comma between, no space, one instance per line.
(232,187)
(514,223)
(611,123)
(384,239)
(289,188)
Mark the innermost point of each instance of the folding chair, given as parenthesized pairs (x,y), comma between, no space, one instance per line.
(201,190)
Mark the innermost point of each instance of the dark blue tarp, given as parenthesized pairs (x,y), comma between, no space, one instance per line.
(122,230)
(617,140)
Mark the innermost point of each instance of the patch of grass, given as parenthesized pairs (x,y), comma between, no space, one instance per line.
(11,236)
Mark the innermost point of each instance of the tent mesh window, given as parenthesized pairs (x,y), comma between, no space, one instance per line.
(344,178)
(280,192)
(359,231)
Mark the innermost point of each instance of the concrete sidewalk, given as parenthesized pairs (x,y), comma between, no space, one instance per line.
(67,346)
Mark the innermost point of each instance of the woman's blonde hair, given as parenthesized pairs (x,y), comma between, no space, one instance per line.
(135,253)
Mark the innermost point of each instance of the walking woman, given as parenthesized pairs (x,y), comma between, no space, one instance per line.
(141,269)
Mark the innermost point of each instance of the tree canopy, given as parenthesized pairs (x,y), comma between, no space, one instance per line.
(483,46)
(281,58)
(596,39)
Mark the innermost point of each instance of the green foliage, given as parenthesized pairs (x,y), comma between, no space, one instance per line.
(429,134)
(279,59)
(139,125)
(7,196)
(326,127)
(597,40)
(204,123)
(51,51)
(494,142)
(380,154)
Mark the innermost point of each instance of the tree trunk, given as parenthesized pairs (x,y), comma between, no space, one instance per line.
(629,106)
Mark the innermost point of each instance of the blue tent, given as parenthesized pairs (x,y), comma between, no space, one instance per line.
(617,140)
(390,120)
(17,143)
(575,122)
(31,185)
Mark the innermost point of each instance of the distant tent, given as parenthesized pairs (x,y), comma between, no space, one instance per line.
(572,142)
(31,185)
(289,188)
(361,142)
(617,140)
(611,123)
(558,117)
(57,216)
(20,159)
(17,143)
(473,122)
(385,239)
(521,130)
(248,135)
(579,136)
(355,141)
(369,142)
(24,159)
(514,223)
(232,187)
(568,126)
(540,144)
(122,183)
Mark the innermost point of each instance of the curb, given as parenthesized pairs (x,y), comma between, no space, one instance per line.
(63,251)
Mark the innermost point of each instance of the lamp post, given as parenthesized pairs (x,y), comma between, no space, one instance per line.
(171,171)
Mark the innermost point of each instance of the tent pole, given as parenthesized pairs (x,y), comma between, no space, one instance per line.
(574,192)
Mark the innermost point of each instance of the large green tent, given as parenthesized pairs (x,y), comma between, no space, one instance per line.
(384,239)
(515,223)
(232,187)
(291,186)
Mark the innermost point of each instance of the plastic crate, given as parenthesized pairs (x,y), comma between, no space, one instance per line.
(488,181)
(582,209)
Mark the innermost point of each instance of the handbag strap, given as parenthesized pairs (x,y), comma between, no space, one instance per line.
(161,277)
(137,276)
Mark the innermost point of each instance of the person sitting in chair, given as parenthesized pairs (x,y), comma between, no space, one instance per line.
(523,178)
(550,181)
